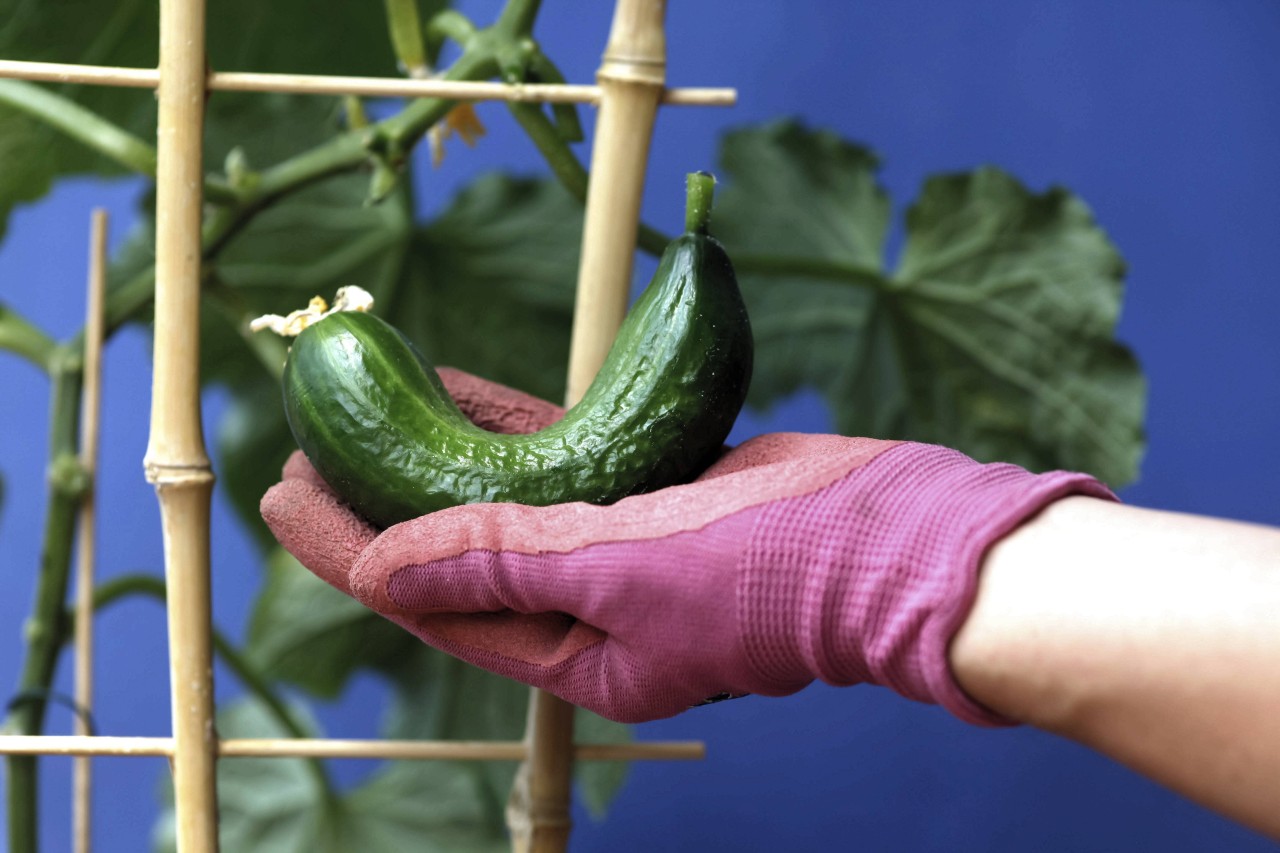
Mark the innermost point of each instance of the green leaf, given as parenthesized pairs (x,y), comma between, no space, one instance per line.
(438,696)
(420,805)
(1009,302)
(22,141)
(808,194)
(805,222)
(276,805)
(994,336)
(305,632)
(253,441)
(265,804)
(441,697)
(310,244)
(488,286)
(76,31)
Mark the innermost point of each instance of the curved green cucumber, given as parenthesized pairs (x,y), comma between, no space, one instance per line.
(374,419)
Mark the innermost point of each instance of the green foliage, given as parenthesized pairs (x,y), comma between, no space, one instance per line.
(306,633)
(994,334)
(24,141)
(279,804)
(242,36)
(489,284)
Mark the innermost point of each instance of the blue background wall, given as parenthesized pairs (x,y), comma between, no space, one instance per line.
(1164,116)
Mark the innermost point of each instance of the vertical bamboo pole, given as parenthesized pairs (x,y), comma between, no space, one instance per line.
(632,77)
(86,538)
(176,462)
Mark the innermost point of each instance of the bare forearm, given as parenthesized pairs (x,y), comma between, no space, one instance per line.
(1151,637)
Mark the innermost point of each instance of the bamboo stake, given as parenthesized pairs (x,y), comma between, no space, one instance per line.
(632,78)
(82,781)
(403,750)
(316,84)
(176,462)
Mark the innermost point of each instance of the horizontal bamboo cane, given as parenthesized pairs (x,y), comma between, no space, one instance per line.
(409,750)
(245,81)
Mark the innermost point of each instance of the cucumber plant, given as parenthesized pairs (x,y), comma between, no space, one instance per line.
(981,338)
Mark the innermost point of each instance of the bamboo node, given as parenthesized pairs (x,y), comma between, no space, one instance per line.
(174,474)
(619,68)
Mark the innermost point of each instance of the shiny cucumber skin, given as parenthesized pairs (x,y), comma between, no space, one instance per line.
(374,419)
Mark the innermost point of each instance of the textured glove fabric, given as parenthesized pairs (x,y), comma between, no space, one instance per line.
(794,558)
(869,579)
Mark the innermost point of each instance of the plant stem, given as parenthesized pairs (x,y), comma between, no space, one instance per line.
(123,303)
(449,24)
(400,131)
(46,628)
(697,211)
(23,339)
(81,124)
(517,18)
(564,164)
(389,139)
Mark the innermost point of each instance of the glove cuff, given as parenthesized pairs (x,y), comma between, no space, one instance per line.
(881,570)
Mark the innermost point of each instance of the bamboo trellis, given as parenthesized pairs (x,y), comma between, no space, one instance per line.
(630,86)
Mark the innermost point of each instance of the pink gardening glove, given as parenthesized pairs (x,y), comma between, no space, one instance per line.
(794,558)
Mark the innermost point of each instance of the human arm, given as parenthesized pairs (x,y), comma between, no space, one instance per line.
(1151,637)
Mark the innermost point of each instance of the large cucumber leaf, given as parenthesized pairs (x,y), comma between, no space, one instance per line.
(277,805)
(308,634)
(441,697)
(994,334)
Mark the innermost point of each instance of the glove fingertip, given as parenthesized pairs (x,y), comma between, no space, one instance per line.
(317,529)
(298,467)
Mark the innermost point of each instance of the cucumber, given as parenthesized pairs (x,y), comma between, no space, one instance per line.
(374,419)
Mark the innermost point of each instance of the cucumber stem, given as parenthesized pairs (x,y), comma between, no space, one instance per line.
(697,212)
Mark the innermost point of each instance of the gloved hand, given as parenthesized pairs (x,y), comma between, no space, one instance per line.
(793,558)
